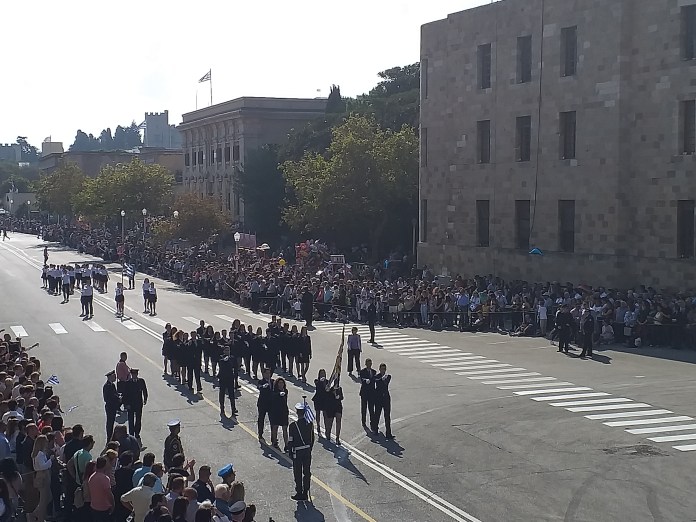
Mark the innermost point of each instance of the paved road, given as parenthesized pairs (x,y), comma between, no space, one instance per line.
(488,428)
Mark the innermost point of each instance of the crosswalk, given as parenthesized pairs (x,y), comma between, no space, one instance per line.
(636,418)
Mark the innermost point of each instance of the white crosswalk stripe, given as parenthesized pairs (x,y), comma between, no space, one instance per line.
(535,379)
(488,364)
(94,326)
(662,429)
(514,375)
(552,390)
(19,331)
(687,447)
(473,359)
(643,422)
(57,328)
(445,357)
(431,354)
(480,372)
(387,344)
(603,407)
(564,397)
(129,324)
(673,438)
(419,349)
(611,400)
(627,414)
(191,319)
(225,318)
(537,385)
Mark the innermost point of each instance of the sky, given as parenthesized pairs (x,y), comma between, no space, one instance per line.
(79,64)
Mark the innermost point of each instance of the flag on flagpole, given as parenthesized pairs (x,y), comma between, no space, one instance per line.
(308,413)
(53,379)
(206,77)
(335,378)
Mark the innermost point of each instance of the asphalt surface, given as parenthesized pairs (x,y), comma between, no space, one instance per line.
(484,429)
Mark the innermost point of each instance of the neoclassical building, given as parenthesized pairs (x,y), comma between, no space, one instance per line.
(217,139)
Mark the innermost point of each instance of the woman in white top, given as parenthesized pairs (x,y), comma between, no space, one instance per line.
(42,461)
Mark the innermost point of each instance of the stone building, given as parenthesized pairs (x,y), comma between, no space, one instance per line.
(217,139)
(567,126)
(158,133)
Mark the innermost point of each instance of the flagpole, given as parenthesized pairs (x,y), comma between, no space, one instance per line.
(196,98)
(210,73)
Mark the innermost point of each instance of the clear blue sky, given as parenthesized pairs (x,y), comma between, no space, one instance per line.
(72,64)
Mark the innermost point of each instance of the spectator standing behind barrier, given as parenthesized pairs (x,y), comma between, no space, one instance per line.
(307,306)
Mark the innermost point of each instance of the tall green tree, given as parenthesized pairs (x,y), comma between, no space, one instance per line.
(55,192)
(125,186)
(29,153)
(262,186)
(84,142)
(365,186)
(335,102)
(106,140)
(196,220)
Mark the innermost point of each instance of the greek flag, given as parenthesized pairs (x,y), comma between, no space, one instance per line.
(130,270)
(53,379)
(335,377)
(308,413)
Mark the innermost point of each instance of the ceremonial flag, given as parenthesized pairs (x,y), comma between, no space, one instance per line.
(308,413)
(206,77)
(53,379)
(335,378)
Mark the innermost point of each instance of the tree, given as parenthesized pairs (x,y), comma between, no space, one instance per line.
(335,103)
(366,186)
(262,187)
(29,153)
(125,186)
(55,191)
(84,142)
(197,220)
(106,141)
(127,137)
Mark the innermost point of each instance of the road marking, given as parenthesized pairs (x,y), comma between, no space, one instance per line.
(687,447)
(488,364)
(225,318)
(473,359)
(535,379)
(674,438)
(58,328)
(552,390)
(662,429)
(430,346)
(447,353)
(514,375)
(501,342)
(588,403)
(564,397)
(129,324)
(19,331)
(538,385)
(94,326)
(407,342)
(443,357)
(449,361)
(191,320)
(627,414)
(610,407)
(504,370)
(640,422)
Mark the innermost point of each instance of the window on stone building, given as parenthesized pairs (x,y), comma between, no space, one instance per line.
(424,147)
(227,154)
(200,157)
(523,138)
(688,16)
(211,158)
(483,141)
(424,78)
(566,225)
(567,123)
(687,115)
(685,228)
(484,66)
(483,217)
(218,154)
(424,221)
(524,59)
(235,152)
(569,51)
(522,221)
(187,159)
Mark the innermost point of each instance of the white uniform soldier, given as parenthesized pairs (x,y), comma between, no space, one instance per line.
(146,295)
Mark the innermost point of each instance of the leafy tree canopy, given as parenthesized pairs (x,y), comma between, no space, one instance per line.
(197,219)
(124,138)
(55,192)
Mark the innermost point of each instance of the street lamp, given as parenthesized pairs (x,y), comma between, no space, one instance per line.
(237,237)
(144,224)
(29,210)
(123,243)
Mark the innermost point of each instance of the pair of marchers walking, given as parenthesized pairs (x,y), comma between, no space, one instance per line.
(375,397)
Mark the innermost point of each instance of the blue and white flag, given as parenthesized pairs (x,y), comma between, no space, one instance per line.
(53,379)
(308,413)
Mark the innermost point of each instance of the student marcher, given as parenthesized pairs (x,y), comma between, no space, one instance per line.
(134,399)
(120,300)
(354,349)
(383,401)
(86,297)
(112,402)
(367,393)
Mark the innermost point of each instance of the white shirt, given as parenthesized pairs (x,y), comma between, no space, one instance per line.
(146,287)
(119,291)
(8,415)
(542,312)
(42,462)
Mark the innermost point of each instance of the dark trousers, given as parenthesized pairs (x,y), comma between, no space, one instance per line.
(264,409)
(353,355)
(86,302)
(586,344)
(194,370)
(563,340)
(367,405)
(110,421)
(371,326)
(383,404)
(301,465)
(226,387)
(135,417)
(100,516)
(66,291)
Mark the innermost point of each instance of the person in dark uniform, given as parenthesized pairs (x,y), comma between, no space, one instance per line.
(320,398)
(304,354)
(587,331)
(300,443)
(292,343)
(279,415)
(265,400)
(382,401)
(333,409)
(134,400)
(194,355)
(172,444)
(112,402)
(367,393)
(371,319)
(226,375)
(564,324)
(307,306)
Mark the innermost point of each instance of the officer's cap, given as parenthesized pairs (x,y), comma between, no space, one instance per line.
(112,372)
(238,507)
(134,370)
(225,470)
(172,423)
(300,406)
